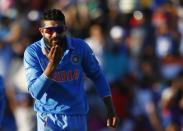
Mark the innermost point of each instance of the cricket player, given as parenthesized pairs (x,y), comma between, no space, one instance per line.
(55,68)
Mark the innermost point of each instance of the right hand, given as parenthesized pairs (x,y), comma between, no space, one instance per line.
(55,54)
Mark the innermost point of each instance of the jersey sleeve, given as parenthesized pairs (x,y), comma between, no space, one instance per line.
(93,71)
(38,83)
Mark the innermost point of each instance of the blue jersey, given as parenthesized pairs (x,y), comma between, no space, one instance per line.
(63,93)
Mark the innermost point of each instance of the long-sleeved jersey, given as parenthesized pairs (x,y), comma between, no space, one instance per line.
(63,93)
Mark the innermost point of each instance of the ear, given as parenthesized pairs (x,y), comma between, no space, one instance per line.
(41,31)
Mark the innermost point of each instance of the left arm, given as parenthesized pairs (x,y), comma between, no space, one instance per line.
(93,71)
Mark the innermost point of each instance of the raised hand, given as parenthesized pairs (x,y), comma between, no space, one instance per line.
(55,54)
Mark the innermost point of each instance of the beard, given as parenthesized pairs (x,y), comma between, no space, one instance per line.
(60,41)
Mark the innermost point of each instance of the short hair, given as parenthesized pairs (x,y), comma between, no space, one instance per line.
(53,14)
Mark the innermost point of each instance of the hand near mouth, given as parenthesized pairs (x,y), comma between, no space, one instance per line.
(55,54)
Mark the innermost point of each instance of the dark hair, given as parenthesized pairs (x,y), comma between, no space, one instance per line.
(53,14)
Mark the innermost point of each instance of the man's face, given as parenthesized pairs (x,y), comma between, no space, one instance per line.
(53,33)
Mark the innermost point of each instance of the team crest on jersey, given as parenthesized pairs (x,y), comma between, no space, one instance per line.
(75,59)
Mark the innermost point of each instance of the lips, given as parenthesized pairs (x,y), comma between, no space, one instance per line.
(55,40)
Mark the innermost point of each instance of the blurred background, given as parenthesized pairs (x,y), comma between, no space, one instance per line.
(138,43)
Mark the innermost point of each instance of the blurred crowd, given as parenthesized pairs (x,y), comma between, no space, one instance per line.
(138,43)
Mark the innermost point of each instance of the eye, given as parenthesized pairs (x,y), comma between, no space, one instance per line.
(60,30)
(48,31)
(51,30)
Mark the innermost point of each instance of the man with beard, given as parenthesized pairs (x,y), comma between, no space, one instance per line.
(55,67)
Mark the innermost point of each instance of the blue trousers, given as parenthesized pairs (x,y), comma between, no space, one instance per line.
(60,122)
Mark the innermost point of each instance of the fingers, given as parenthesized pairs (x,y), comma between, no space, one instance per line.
(55,54)
(55,48)
(108,122)
(49,53)
(113,122)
